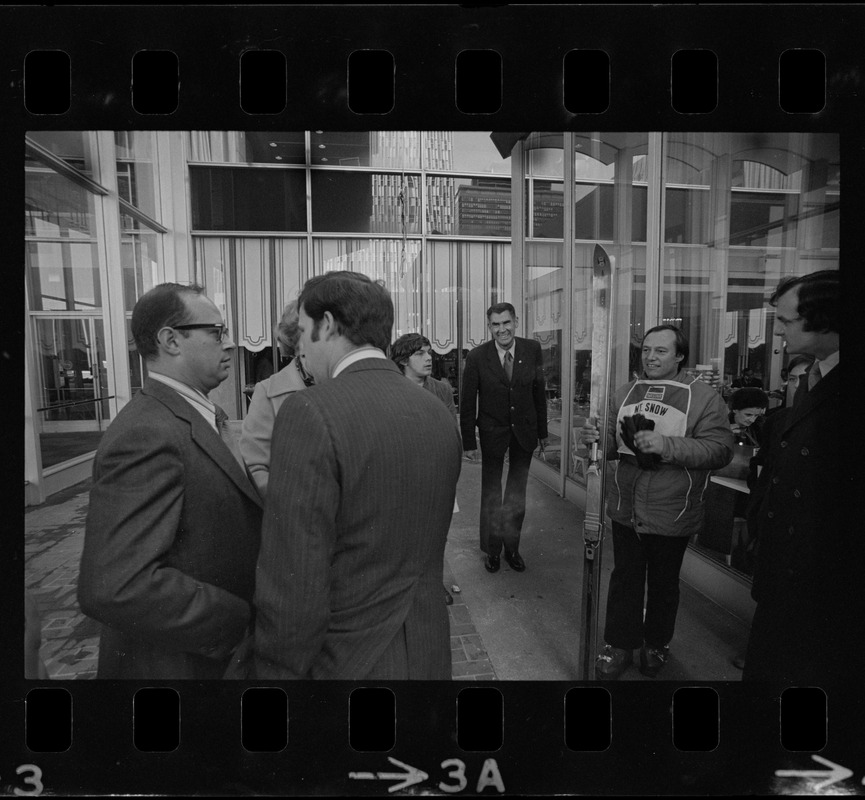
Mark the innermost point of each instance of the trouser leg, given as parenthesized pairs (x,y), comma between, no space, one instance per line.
(514,506)
(491,502)
(665,555)
(624,622)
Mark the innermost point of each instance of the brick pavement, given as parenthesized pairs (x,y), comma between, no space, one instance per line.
(54,536)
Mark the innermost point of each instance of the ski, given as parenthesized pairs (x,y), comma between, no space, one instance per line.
(593,523)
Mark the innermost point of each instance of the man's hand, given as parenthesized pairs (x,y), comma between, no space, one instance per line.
(471,455)
(649,442)
(543,443)
(589,433)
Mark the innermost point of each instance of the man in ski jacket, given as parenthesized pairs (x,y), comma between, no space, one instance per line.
(666,432)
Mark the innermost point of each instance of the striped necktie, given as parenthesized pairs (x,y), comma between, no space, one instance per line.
(509,365)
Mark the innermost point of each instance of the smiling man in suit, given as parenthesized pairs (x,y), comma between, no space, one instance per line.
(363,475)
(173,525)
(504,397)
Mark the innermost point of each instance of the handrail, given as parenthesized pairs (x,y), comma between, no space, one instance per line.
(75,403)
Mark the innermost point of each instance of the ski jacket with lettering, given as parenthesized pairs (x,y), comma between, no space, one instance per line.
(669,499)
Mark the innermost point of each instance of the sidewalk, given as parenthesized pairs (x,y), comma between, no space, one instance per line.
(54,536)
(504,626)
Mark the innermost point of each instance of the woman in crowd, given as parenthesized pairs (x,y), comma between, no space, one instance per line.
(747,407)
(267,398)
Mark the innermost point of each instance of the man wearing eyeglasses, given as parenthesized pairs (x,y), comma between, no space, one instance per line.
(173,526)
(803,578)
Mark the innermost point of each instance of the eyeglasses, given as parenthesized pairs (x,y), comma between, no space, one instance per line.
(221,330)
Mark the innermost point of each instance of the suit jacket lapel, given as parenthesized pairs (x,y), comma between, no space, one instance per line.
(203,435)
(496,365)
(809,401)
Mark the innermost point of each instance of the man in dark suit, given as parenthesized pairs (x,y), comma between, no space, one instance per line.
(363,476)
(503,396)
(173,526)
(803,576)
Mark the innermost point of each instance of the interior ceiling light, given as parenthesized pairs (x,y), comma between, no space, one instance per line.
(322,146)
(272,144)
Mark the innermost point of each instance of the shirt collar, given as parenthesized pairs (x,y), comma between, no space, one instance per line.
(196,399)
(357,355)
(828,364)
(501,351)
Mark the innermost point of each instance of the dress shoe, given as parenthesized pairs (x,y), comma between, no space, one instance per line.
(652,659)
(492,563)
(515,560)
(449,600)
(738,661)
(612,662)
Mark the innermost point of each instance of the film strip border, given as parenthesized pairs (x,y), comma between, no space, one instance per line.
(417,66)
(350,739)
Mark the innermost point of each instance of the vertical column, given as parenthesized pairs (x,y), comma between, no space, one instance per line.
(113,301)
(518,236)
(623,204)
(654,228)
(567,368)
(176,206)
(719,236)
(34,491)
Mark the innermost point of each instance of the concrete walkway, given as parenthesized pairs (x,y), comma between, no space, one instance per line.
(505,626)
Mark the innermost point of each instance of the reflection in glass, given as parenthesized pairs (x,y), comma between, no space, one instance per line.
(72,369)
(545,309)
(136,178)
(362,202)
(395,262)
(234,199)
(468,206)
(56,207)
(381,149)
(463,151)
(139,263)
(68,145)
(63,276)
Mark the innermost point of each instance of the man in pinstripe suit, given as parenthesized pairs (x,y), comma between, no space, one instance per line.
(363,477)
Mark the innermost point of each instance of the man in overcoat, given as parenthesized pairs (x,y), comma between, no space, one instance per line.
(173,525)
(803,631)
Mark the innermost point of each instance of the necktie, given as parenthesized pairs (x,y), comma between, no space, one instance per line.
(814,375)
(509,365)
(227,437)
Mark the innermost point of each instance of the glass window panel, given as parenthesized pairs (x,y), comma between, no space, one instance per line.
(56,207)
(761,207)
(68,145)
(72,373)
(545,157)
(547,209)
(464,151)
(136,363)
(345,202)
(468,206)
(382,149)
(395,262)
(136,176)
(546,310)
(140,265)
(63,276)
(231,199)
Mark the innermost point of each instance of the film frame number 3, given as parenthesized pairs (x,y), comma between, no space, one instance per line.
(34,779)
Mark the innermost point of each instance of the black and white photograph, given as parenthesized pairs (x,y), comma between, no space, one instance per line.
(371,456)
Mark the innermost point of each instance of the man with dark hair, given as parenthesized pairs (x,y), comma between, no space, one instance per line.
(363,476)
(412,353)
(666,432)
(803,631)
(503,396)
(173,526)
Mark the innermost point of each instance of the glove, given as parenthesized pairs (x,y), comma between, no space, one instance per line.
(629,427)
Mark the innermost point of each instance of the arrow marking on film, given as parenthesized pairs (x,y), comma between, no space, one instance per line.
(408,778)
(836,773)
